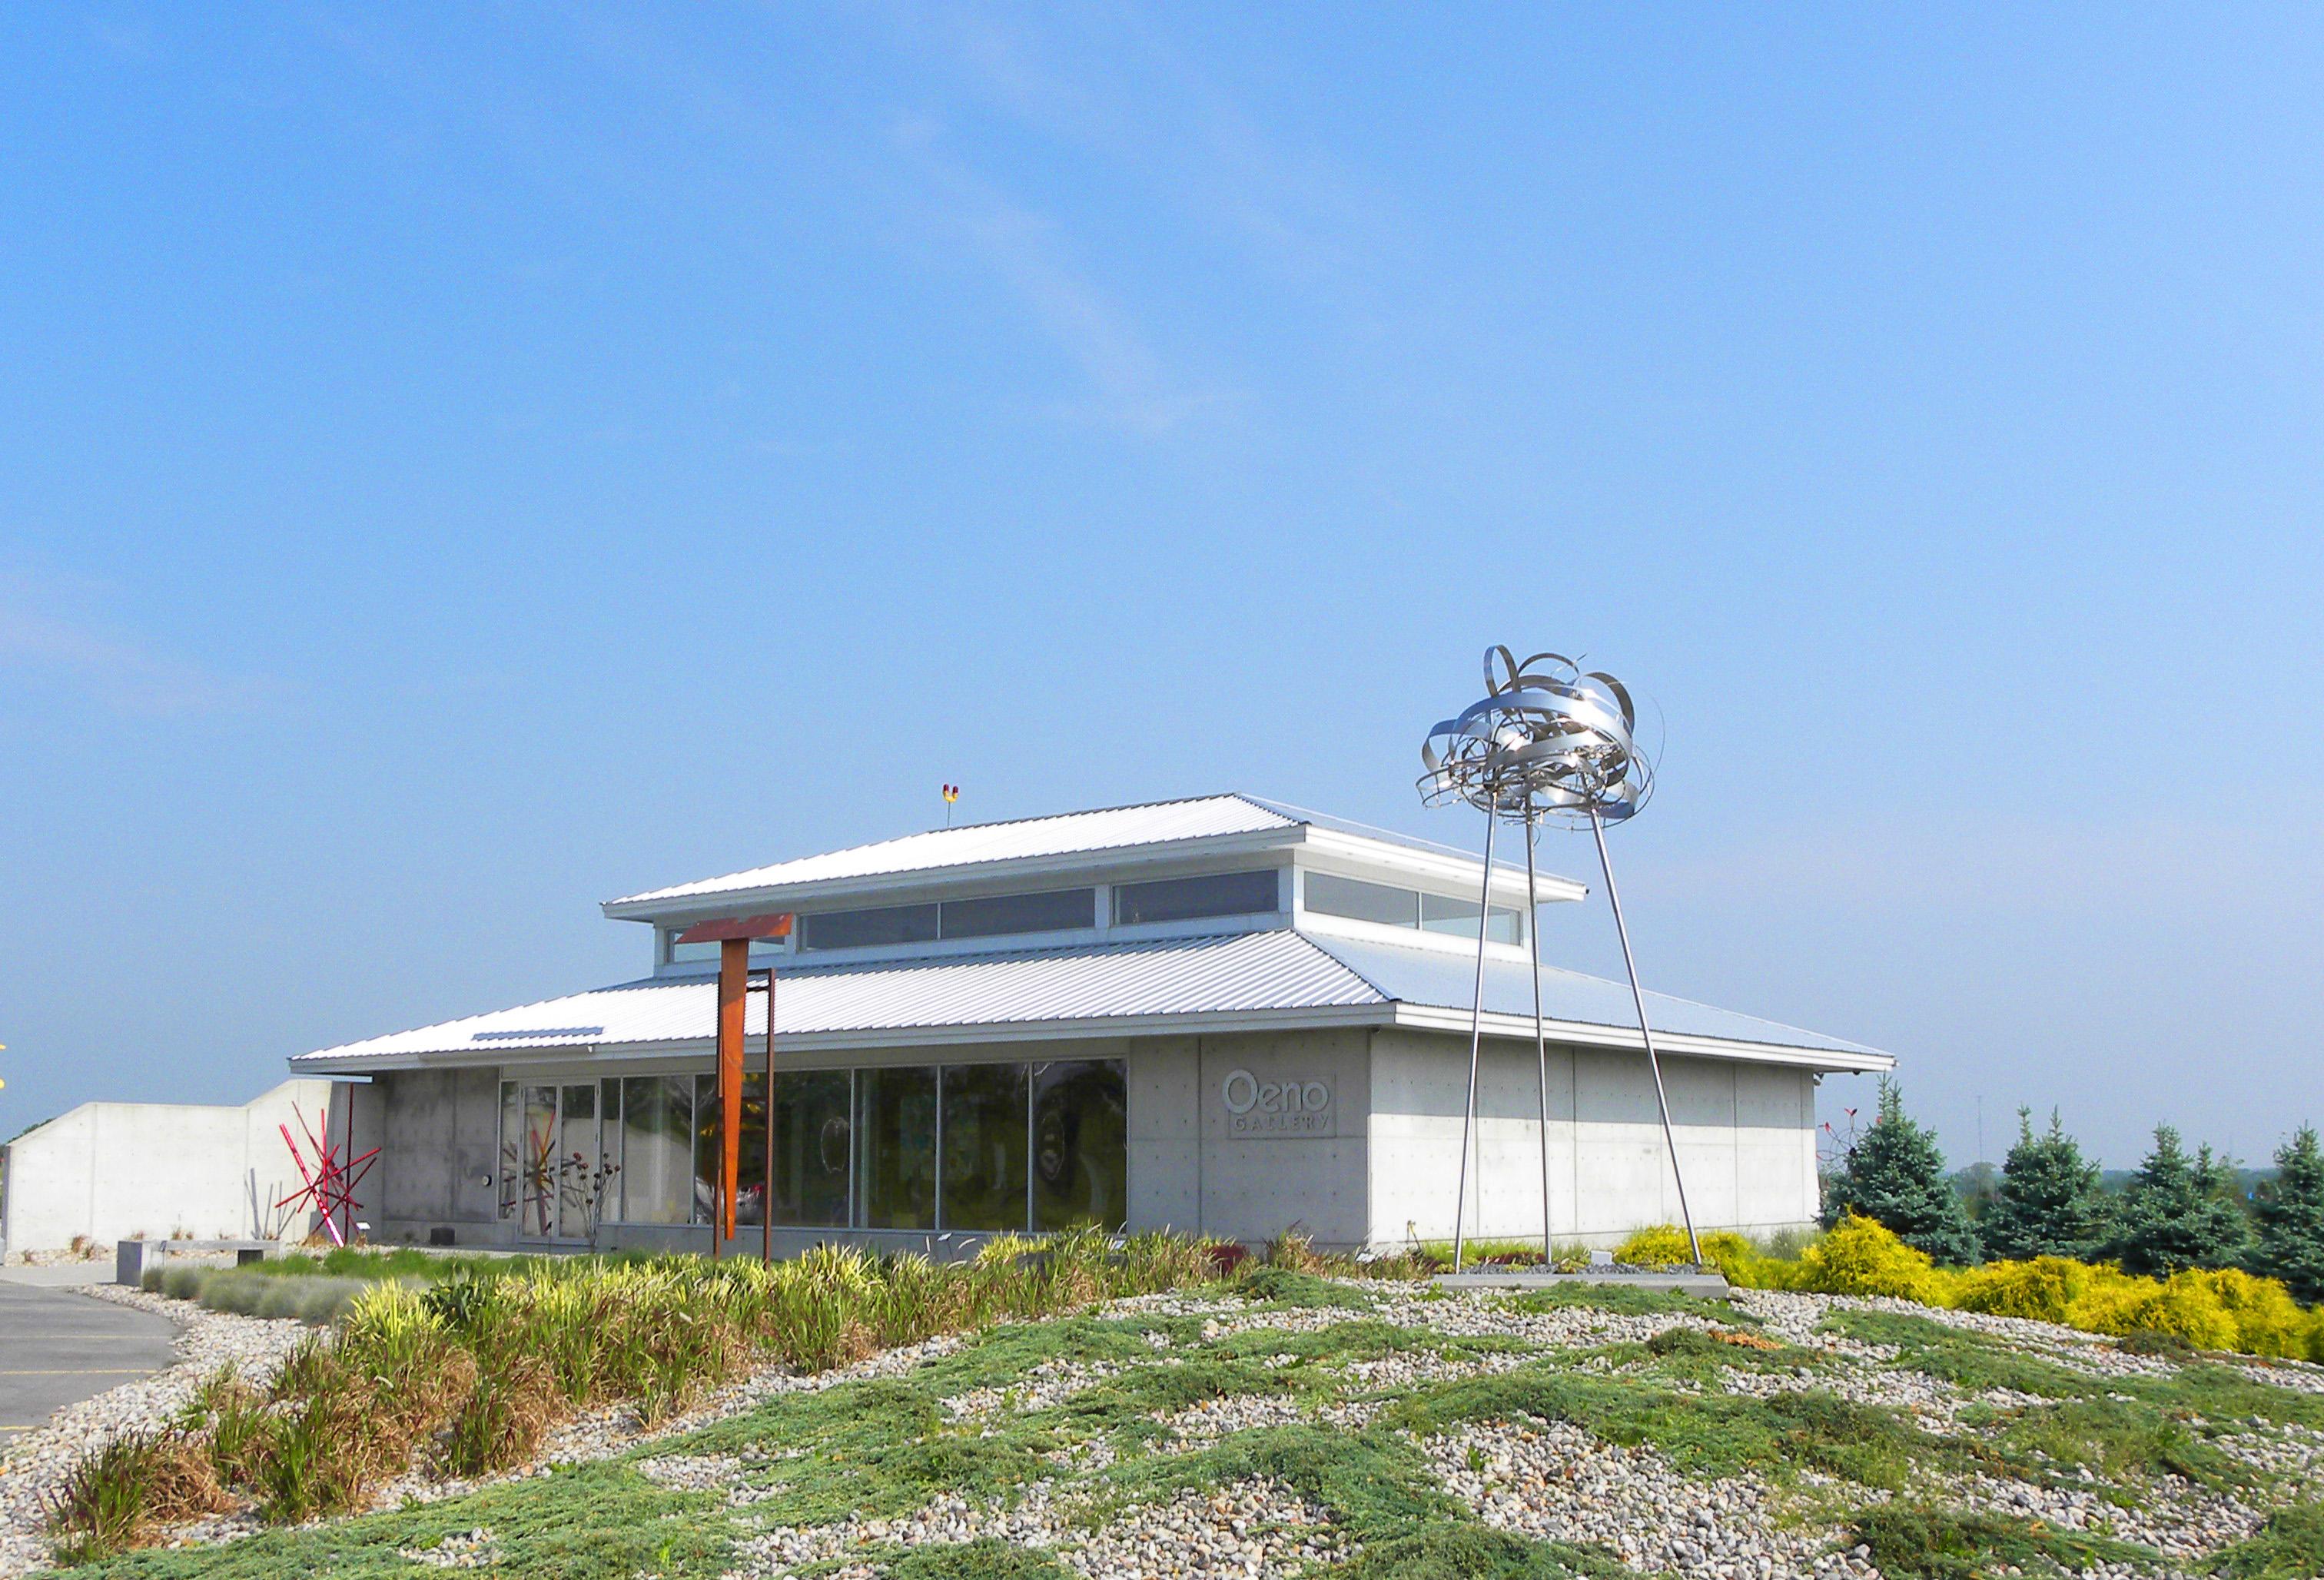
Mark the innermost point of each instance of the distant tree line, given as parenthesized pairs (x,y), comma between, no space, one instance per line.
(2178,1210)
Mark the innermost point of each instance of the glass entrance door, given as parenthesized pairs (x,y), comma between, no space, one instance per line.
(579,1168)
(552,1166)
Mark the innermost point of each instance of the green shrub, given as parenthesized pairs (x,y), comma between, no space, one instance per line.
(1895,1175)
(2049,1203)
(2179,1212)
(183,1283)
(2290,1241)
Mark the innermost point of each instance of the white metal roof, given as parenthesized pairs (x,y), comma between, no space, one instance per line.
(1071,833)
(1275,978)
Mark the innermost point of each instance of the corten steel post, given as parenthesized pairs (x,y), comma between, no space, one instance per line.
(733,938)
(733,999)
(767,1129)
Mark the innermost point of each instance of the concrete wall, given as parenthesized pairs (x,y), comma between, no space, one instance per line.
(1351,1135)
(1745,1137)
(116,1170)
(439,1131)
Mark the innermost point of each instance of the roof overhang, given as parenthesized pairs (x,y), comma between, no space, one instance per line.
(1509,881)
(1405,1016)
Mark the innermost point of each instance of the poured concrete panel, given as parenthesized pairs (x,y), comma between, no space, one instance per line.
(1609,1170)
(1259,1177)
(1165,1134)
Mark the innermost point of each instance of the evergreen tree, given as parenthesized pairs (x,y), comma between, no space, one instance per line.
(2050,1203)
(2292,1218)
(2179,1212)
(1895,1175)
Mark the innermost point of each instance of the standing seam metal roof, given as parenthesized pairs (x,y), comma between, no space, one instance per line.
(1275,970)
(1069,833)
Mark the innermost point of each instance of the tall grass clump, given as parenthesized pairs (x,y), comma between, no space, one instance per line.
(121,1496)
(464,1372)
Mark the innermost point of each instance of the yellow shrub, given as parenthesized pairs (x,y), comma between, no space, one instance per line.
(1860,1257)
(2268,1320)
(1664,1245)
(2187,1308)
(2315,1333)
(2043,1289)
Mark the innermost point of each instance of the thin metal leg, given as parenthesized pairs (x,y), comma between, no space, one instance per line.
(1540,1035)
(1476,1035)
(1662,1099)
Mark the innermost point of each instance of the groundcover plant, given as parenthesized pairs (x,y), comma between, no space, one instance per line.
(1282,1421)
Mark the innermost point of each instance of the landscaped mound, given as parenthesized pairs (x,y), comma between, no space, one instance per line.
(466,1374)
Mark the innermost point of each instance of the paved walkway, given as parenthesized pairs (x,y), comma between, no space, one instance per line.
(59,1346)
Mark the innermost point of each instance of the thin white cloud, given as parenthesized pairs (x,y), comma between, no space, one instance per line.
(1132,388)
(43,635)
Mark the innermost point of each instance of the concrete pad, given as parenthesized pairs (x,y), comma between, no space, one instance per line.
(1702,1286)
(59,1346)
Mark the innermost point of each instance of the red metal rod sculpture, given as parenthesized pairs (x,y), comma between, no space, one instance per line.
(330,1184)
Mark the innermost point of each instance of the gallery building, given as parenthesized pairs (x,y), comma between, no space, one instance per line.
(1221,1015)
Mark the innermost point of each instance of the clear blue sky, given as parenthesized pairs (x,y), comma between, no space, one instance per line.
(459,464)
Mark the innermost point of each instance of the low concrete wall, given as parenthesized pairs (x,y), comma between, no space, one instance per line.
(113,1171)
(1746,1136)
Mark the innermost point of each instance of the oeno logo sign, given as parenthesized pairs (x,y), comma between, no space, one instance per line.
(1276,1108)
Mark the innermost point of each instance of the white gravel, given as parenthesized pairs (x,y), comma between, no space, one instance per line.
(35,1465)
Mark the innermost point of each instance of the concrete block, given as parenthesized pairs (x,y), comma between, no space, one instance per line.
(131,1258)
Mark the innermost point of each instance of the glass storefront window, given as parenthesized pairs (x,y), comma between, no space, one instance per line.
(985,1146)
(1081,1144)
(810,1116)
(657,1148)
(896,1147)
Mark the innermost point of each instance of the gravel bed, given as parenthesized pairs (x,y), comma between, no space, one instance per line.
(1557,1483)
(35,1465)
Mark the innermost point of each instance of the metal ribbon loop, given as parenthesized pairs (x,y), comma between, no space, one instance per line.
(1545,741)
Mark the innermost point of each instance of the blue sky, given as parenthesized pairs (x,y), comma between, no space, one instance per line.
(461,464)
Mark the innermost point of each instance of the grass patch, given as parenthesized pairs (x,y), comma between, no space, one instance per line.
(1968,1360)
(2288,1546)
(1285,1286)
(590,1522)
(1911,1542)
(1715,1434)
(2124,1442)
(1629,1300)
(1474,1552)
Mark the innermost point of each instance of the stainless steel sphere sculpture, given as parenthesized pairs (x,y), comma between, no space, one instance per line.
(1548,741)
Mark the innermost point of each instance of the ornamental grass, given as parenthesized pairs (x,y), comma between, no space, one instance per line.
(467,1375)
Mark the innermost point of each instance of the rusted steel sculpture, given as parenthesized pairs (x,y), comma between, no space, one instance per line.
(733,936)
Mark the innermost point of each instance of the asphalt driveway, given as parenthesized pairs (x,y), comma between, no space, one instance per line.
(58,1346)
